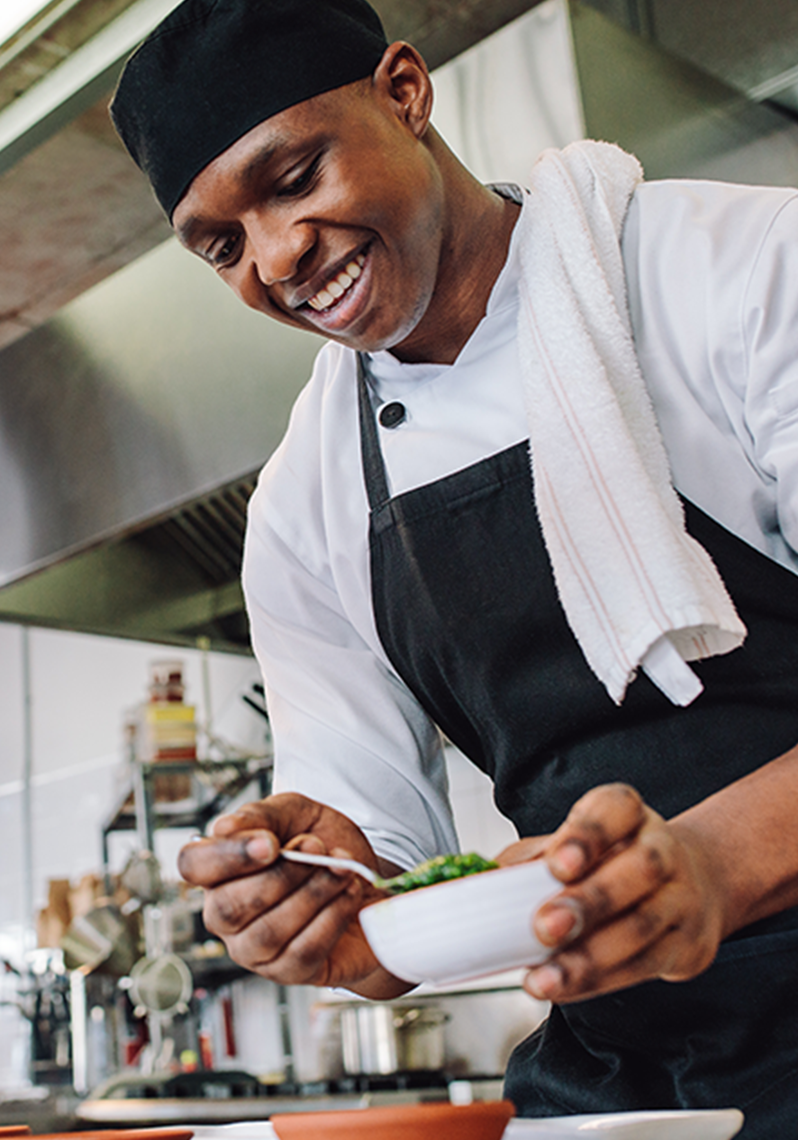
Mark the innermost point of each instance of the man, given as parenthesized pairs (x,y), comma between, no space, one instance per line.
(398,579)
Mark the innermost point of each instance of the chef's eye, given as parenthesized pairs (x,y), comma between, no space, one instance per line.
(297,185)
(223,252)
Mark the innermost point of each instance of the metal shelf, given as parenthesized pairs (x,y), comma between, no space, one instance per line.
(214,784)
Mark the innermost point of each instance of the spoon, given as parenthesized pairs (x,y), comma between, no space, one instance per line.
(435,870)
(341,865)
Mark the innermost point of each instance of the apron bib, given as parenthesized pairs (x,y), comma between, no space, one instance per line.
(466,608)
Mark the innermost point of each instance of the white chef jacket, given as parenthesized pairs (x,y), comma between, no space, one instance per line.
(712,274)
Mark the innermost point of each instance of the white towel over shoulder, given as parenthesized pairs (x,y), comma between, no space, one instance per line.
(637,590)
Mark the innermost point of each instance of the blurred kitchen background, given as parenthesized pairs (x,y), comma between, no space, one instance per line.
(138,400)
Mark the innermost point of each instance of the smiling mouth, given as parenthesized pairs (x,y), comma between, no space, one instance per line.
(336,288)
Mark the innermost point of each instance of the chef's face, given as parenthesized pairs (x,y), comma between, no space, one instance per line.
(329,215)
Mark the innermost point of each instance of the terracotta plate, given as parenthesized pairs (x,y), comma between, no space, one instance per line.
(484,1120)
(122,1134)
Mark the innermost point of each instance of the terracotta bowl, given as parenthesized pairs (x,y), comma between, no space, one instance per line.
(122,1134)
(483,1120)
(462,929)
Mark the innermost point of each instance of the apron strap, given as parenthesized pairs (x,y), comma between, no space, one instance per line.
(373,466)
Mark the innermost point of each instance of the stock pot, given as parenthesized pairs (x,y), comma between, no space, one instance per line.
(378,1038)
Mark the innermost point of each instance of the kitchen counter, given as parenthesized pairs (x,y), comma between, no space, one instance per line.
(224,1110)
(227,1096)
(43,1110)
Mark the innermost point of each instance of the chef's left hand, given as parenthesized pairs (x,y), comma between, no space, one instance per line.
(641,900)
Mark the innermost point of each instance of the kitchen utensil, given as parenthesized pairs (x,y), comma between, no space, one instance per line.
(378,1038)
(463,929)
(161,985)
(342,865)
(483,1120)
(368,1039)
(336,863)
(426,873)
(102,937)
(421,1038)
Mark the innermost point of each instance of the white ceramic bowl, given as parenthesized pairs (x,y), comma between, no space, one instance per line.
(463,929)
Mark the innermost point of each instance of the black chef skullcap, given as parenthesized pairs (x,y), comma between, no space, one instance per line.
(213,69)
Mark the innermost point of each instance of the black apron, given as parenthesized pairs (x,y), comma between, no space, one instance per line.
(466,608)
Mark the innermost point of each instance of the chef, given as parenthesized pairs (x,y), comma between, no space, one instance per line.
(540,494)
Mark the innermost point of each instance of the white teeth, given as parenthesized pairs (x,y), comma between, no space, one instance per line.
(338,286)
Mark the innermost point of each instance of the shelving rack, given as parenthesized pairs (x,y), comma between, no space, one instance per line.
(214,784)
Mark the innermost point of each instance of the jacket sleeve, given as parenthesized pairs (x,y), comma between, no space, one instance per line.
(347,731)
(712,276)
(769,319)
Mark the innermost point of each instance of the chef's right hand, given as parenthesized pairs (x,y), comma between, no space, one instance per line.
(288,922)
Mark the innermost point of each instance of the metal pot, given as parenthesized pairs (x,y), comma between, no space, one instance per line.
(421,1038)
(381,1039)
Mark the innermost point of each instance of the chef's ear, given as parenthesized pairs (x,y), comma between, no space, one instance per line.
(402,76)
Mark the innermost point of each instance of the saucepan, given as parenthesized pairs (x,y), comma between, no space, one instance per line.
(379,1038)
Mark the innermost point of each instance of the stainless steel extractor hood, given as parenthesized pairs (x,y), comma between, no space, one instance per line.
(138,398)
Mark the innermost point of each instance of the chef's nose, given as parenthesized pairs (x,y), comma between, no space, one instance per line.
(277,251)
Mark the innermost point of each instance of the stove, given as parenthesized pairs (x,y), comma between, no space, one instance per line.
(220,1097)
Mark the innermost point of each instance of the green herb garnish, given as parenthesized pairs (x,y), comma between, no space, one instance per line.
(440,870)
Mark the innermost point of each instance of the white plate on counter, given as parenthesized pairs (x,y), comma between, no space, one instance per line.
(684,1124)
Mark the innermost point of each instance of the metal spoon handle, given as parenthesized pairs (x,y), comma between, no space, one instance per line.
(332,861)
